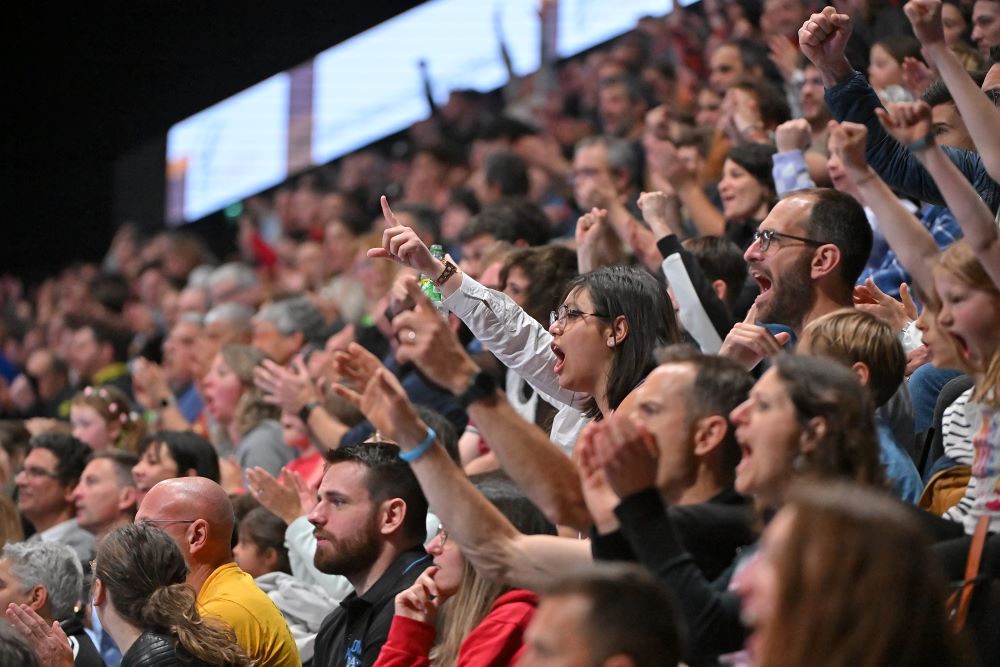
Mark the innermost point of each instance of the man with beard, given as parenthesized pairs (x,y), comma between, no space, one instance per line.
(197,514)
(806,257)
(370,525)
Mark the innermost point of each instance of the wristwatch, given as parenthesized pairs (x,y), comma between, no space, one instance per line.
(306,411)
(482,387)
(449,270)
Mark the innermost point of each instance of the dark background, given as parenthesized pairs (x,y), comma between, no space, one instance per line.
(89,83)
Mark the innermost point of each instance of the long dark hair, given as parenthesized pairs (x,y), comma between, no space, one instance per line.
(145,576)
(638,297)
(849,448)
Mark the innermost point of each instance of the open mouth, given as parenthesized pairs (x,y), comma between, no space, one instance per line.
(962,346)
(560,358)
(763,282)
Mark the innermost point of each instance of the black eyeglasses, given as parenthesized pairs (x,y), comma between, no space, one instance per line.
(764,237)
(564,313)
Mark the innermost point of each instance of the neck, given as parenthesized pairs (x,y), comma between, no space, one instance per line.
(101,532)
(43,523)
(124,633)
(363,581)
(825,303)
(707,484)
(601,395)
(200,572)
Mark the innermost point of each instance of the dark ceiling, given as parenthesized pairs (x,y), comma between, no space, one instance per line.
(90,81)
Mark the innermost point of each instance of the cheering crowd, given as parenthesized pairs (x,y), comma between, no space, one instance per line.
(708,372)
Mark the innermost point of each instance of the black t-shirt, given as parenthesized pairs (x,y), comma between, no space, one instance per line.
(711,532)
(353,634)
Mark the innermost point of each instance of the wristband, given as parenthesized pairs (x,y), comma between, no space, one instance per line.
(921,143)
(420,449)
(306,411)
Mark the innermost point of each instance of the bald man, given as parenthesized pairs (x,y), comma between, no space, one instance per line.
(197,514)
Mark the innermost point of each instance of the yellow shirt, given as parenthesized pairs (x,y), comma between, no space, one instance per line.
(231,595)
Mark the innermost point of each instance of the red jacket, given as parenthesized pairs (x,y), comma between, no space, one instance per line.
(497,641)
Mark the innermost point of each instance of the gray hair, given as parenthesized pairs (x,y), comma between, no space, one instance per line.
(54,566)
(200,276)
(191,317)
(621,154)
(229,312)
(235,275)
(295,315)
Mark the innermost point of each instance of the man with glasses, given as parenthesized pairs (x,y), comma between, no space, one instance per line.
(805,258)
(197,514)
(45,486)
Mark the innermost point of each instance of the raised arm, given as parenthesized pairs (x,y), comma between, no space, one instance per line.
(513,336)
(981,116)
(662,159)
(545,474)
(822,39)
(491,543)
(911,123)
(913,244)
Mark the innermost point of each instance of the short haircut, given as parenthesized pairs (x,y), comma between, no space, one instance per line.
(549,268)
(630,613)
(507,171)
(230,312)
(295,315)
(55,566)
(937,93)
(633,86)
(510,220)
(189,450)
(720,385)
(106,334)
(720,259)
(621,153)
(122,462)
(771,102)
(851,336)
(839,219)
(388,477)
(754,54)
(72,455)
(240,275)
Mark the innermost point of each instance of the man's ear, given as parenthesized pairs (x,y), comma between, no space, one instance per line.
(128,498)
(709,432)
(720,288)
(393,515)
(825,260)
(38,598)
(197,536)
